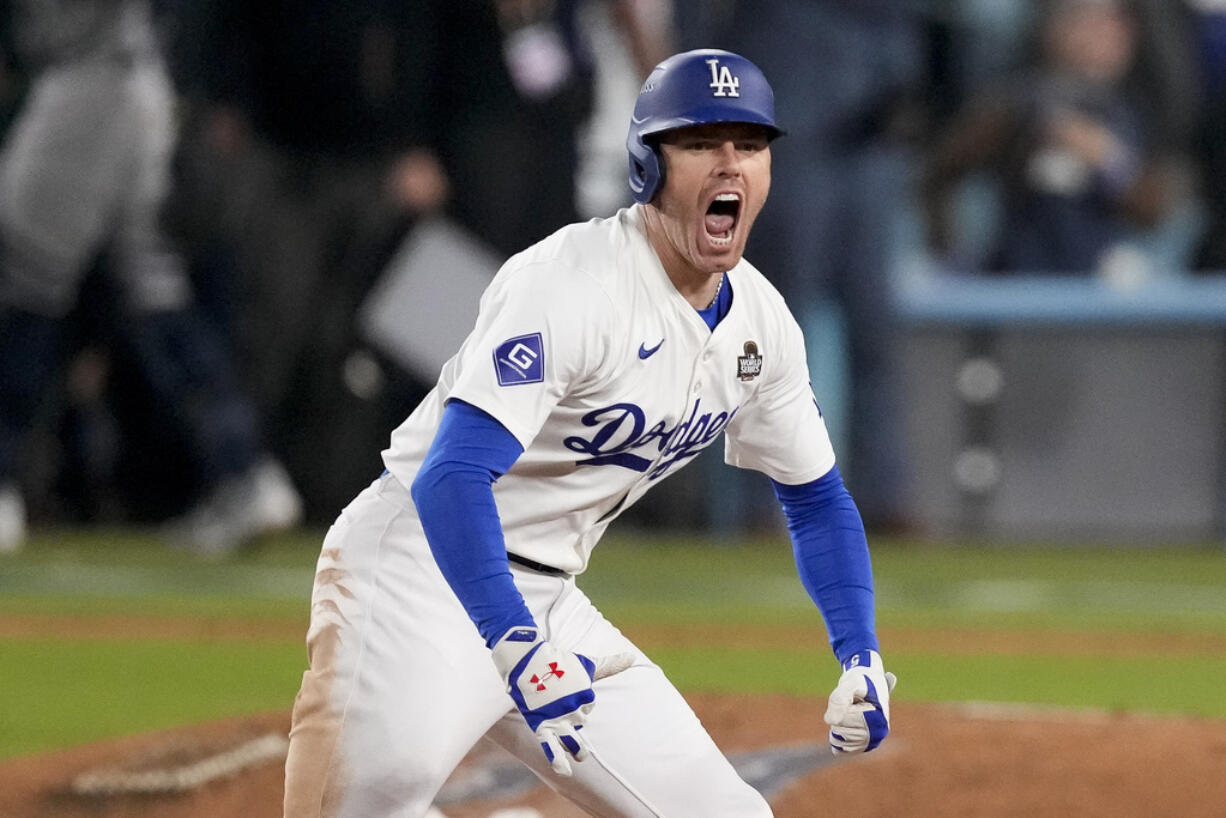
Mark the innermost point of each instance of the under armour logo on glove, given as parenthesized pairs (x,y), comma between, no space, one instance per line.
(553,671)
(554,711)
(859,708)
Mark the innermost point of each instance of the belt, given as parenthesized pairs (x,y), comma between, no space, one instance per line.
(534,565)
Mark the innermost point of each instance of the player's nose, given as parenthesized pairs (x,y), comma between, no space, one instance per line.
(727,159)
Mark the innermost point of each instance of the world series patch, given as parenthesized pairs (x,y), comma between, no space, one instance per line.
(749,365)
(520,360)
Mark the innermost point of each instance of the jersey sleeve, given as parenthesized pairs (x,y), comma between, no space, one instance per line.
(780,431)
(832,558)
(455,502)
(537,337)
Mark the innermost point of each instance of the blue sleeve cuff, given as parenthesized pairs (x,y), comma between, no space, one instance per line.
(832,558)
(454,495)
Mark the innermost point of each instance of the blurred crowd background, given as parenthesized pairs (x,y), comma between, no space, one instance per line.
(200,198)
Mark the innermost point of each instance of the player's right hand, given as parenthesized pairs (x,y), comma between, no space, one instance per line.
(553,690)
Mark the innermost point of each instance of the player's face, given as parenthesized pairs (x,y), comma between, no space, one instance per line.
(716,180)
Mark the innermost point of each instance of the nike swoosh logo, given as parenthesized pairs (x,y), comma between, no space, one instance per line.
(645,353)
(638,121)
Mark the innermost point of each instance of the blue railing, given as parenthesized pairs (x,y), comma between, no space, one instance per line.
(933,297)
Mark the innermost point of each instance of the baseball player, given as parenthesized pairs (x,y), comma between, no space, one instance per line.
(604,358)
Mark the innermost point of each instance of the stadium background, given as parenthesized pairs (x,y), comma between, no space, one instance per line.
(1056,546)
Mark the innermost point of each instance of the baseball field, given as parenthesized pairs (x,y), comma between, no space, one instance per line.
(1033,681)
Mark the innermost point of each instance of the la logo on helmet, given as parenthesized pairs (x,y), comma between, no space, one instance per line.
(722,81)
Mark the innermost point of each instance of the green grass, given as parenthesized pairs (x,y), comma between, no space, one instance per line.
(59,692)
(1176,589)
(1137,684)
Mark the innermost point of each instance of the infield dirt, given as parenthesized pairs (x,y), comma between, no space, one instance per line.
(943,761)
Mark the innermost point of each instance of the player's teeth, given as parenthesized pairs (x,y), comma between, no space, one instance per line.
(727,197)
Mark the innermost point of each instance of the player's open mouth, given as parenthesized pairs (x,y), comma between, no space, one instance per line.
(721,218)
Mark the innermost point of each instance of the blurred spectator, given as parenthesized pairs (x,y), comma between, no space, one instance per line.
(628,38)
(83,175)
(320,131)
(311,140)
(1087,147)
(1208,19)
(847,77)
(550,68)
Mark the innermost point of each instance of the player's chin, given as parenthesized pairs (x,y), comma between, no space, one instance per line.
(722,252)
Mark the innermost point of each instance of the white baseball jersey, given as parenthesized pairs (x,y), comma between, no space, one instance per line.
(590,357)
(585,351)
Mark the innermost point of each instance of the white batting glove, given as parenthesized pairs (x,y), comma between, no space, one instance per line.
(859,708)
(553,690)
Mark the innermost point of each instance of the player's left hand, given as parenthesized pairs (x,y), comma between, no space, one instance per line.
(859,708)
(553,690)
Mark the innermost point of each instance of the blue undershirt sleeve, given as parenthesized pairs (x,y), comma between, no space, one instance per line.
(454,495)
(832,558)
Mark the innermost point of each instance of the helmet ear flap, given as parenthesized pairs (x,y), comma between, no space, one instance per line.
(646,170)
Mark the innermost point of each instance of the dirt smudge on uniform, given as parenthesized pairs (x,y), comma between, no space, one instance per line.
(314,773)
(334,576)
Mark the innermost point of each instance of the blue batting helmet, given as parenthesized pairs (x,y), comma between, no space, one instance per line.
(693,88)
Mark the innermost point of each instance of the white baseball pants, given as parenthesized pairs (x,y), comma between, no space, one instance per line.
(401,687)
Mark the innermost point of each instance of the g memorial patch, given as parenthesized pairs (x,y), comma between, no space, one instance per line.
(520,360)
(749,365)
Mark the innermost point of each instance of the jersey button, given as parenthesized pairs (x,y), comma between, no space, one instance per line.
(697,387)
